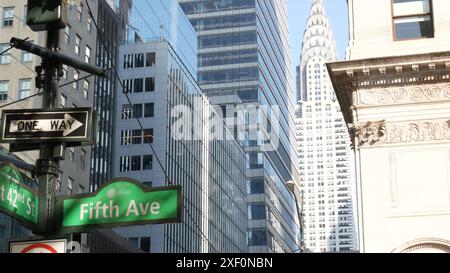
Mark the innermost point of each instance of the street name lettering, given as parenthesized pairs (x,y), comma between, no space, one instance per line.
(15,199)
(103,210)
(122,202)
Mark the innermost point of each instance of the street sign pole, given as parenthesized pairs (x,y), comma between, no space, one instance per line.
(47,166)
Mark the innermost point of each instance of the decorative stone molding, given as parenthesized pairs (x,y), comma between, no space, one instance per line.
(403,95)
(370,133)
(380,133)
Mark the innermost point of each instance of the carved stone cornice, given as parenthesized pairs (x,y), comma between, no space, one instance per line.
(387,74)
(403,95)
(370,133)
(381,133)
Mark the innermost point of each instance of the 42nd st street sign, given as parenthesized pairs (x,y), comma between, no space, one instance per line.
(66,125)
(120,202)
(16,199)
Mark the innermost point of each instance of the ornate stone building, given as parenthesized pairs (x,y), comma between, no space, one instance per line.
(395,96)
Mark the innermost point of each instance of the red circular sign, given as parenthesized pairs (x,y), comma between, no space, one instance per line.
(46,247)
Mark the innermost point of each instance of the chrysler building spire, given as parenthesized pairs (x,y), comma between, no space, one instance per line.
(318,41)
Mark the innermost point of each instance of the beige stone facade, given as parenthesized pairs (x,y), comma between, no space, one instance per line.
(395,96)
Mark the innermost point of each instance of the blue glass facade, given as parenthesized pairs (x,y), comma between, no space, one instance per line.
(246,53)
(163,19)
(211,171)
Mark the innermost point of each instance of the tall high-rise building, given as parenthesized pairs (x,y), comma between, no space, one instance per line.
(109,35)
(324,147)
(160,81)
(243,59)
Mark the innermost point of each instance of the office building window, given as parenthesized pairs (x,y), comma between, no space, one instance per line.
(64,70)
(254,160)
(8,16)
(76,76)
(138,85)
(4,89)
(81,189)
(147,162)
(63,100)
(79,13)
(150,59)
(127,111)
(87,57)
(128,61)
(148,136)
(89,23)
(145,244)
(70,183)
(125,137)
(135,163)
(67,34)
(77,44)
(257,212)
(124,164)
(149,110)
(86,89)
(136,137)
(83,159)
(26,57)
(72,154)
(257,237)
(139,60)
(137,110)
(149,84)
(255,186)
(24,88)
(5,58)
(412,19)
(128,86)
(24,14)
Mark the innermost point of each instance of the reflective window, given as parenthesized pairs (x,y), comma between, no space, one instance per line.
(257,237)
(255,186)
(4,88)
(229,39)
(412,19)
(257,211)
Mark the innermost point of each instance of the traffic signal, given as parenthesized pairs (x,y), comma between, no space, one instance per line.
(46,14)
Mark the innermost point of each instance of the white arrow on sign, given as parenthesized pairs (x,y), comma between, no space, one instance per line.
(66,125)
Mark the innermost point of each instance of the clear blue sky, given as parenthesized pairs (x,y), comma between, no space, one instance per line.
(299,11)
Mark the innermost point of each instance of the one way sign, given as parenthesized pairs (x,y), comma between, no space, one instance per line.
(74,125)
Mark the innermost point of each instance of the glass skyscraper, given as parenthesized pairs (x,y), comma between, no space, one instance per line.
(163,19)
(244,60)
(158,75)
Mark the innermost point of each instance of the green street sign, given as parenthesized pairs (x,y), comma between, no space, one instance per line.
(120,202)
(16,199)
